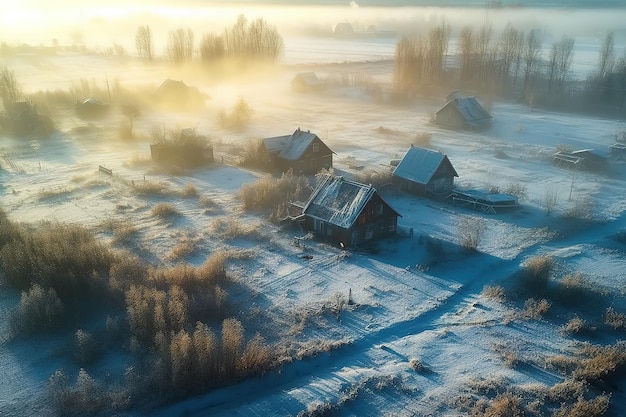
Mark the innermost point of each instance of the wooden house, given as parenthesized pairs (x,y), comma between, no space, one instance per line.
(463,113)
(306,82)
(348,212)
(425,172)
(302,152)
(177,95)
(91,108)
(21,119)
(587,159)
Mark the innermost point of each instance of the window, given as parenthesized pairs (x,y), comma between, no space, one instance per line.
(392,227)
(316,147)
(379,209)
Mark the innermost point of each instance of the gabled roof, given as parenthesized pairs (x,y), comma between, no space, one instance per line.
(420,164)
(338,201)
(309,78)
(290,147)
(470,109)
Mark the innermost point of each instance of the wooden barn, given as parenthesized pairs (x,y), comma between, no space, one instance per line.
(176,94)
(302,152)
(463,113)
(348,213)
(425,172)
(305,82)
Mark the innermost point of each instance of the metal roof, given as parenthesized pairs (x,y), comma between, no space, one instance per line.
(339,201)
(420,164)
(470,109)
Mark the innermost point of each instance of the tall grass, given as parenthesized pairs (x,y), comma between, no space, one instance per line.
(269,193)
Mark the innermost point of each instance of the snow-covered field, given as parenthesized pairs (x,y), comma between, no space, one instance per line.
(418,298)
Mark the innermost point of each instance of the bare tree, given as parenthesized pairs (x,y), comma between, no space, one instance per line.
(531,57)
(621,69)
(131,111)
(257,40)
(561,56)
(409,63)
(438,39)
(508,51)
(212,48)
(467,51)
(143,43)
(180,46)
(10,90)
(483,47)
(606,60)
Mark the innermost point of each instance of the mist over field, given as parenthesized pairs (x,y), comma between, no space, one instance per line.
(154,260)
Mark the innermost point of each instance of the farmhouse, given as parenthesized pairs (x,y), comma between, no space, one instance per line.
(425,172)
(348,212)
(302,152)
(178,95)
(306,82)
(92,108)
(463,113)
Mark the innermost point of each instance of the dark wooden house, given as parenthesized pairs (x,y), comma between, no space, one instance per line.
(175,94)
(92,108)
(463,113)
(305,82)
(425,172)
(302,152)
(348,212)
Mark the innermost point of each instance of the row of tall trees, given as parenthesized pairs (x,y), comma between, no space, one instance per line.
(507,63)
(256,40)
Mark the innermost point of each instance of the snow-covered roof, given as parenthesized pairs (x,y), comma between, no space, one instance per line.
(310,78)
(338,201)
(470,109)
(420,164)
(297,144)
(276,144)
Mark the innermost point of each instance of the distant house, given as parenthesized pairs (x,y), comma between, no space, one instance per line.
(425,172)
(344,29)
(463,113)
(348,212)
(302,152)
(306,82)
(178,95)
(91,108)
(588,159)
(186,150)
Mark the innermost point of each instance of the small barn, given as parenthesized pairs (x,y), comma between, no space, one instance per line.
(21,119)
(306,82)
(176,94)
(425,172)
(463,113)
(302,152)
(348,212)
(92,108)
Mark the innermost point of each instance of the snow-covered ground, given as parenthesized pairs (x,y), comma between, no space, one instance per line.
(417,297)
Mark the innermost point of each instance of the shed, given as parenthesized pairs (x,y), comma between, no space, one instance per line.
(425,172)
(348,212)
(92,108)
(302,152)
(178,95)
(588,159)
(344,29)
(463,113)
(306,82)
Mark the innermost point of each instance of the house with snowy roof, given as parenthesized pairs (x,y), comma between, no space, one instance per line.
(463,113)
(302,152)
(348,212)
(425,172)
(306,82)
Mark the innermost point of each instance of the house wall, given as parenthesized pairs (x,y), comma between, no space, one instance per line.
(450,117)
(311,162)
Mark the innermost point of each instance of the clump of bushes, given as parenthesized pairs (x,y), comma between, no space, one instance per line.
(254,154)
(238,117)
(470,231)
(377,179)
(38,310)
(232,228)
(269,193)
(535,274)
(180,149)
(164,211)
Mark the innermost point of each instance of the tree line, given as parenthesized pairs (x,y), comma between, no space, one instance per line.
(248,40)
(511,63)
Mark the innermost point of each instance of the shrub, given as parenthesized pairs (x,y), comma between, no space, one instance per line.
(417,365)
(470,231)
(585,408)
(535,274)
(377,179)
(550,199)
(232,345)
(422,139)
(189,190)
(232,228)
(269,193)
(614,319)
(256,357)
(536,309)
(518,190)
(494,292)
(87,347)
(164,210)
(254,154)
(601,362)
(239,116)
(574,326)
(38,310)
(505,405)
